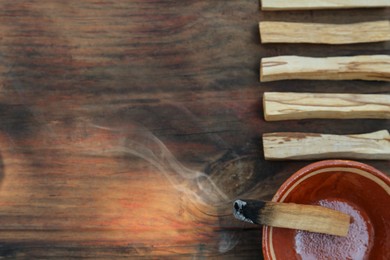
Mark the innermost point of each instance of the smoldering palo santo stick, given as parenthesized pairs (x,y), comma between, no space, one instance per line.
(310,146)
(275,5)
(362,67)
(294,106)
(320,33)
(294,216)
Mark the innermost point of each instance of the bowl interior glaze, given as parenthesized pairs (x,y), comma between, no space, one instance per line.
(352,187)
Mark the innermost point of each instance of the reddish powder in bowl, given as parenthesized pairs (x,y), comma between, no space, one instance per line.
(356,245)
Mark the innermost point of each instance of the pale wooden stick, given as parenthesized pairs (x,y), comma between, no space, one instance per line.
(276,5)
(309,146)
(364,67)
(286,32)
(311,218)
(292,106)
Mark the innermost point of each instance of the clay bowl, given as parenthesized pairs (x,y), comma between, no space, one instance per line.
(352,187)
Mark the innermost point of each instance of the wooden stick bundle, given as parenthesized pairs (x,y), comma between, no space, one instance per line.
(320,4)
(305,146)
(286,32)
(292,106)
(290,215)
(363,67)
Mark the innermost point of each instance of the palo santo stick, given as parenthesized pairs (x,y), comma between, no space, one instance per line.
(309,146)
(276,5)
(293,106)
(286,32)
(364,67)
(295,216)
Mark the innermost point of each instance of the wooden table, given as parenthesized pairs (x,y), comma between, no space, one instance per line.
(128,127)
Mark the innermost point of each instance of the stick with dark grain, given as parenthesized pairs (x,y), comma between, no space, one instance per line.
(310,146)
(275,5)
(294,216)
(294,106)
(361,67)
(321,33)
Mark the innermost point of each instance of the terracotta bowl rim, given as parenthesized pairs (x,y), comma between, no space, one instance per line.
(312,168)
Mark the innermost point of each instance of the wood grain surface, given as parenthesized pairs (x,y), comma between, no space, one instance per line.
(294,106)
(128,127)
(320,33)
(303,146)
(360,67)
(279,5)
